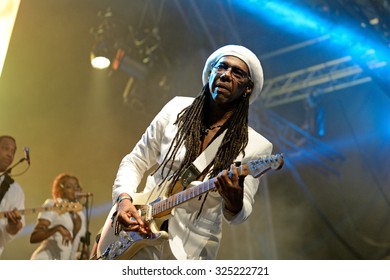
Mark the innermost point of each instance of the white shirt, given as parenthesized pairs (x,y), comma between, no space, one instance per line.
(52,247)
(189,237)
(13,198)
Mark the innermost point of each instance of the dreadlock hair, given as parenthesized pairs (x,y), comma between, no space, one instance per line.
(191,123)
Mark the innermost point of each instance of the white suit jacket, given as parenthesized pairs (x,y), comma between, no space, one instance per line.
(190,237)
(13,198)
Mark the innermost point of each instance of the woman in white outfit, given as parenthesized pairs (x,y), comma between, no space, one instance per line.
(59,233)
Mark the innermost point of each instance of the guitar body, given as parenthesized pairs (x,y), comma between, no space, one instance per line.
(128,243)
(156,206)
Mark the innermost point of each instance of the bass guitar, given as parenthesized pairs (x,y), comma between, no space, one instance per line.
(155,207)
(60,207)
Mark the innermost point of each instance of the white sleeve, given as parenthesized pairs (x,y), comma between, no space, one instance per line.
(145,154)
(48,215)
(14,198)
(251,184)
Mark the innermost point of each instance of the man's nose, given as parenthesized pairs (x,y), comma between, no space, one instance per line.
(225,73)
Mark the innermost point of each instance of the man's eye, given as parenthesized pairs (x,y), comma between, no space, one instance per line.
(223,66)
(239,73)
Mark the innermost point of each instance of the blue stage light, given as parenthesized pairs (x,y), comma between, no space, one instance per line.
(349,36)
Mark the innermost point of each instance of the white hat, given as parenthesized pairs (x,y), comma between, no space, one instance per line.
(251,60)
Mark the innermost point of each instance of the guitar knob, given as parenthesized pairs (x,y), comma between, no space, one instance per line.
(105,253)
(124,236)
(114,250)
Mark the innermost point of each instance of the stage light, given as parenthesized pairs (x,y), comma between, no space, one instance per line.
(100,62)
(101,56)
(105,41)
(296,18)
(8,12)
(374,21)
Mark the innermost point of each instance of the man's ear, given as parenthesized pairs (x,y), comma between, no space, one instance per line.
(248,92)
(249,87)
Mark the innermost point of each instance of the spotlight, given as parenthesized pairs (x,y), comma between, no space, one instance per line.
(101,56)
(100,62)
(8,13)
(374,21)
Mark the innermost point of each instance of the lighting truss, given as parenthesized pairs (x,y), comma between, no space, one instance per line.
(295,142)
(318,79)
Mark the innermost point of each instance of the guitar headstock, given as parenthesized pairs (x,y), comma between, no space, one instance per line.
(260,166)
(63,207)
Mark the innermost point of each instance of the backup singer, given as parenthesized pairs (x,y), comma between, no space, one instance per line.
(59,234)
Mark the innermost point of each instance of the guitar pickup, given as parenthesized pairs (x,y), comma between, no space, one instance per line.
(189,175)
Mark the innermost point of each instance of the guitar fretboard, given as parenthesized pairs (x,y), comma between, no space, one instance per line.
(29,211)
(181,197)
(58,207)
(254,167)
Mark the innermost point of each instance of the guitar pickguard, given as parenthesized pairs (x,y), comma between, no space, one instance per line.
(129,243)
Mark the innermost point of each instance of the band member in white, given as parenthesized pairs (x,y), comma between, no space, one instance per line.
(232,80)
(58,233)
(11,194)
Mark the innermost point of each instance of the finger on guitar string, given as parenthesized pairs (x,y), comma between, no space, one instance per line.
(117,228)
(134,225)
(13,216)
(226,180)
(230,176)
(113,218)
(129,217)
(233,172)
(132,228)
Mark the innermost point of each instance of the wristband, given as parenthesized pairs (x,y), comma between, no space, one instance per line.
(124,197)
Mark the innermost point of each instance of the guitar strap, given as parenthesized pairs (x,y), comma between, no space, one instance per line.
(201,162)
(7,181)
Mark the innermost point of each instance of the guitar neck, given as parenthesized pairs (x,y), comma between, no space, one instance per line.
(171,202)
(58,207)
(29,211)
(256,168)
(165,206)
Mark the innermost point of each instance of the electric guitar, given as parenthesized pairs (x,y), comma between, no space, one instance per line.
(155,207)
(59,207)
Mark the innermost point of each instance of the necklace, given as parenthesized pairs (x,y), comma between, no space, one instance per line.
(206,131)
